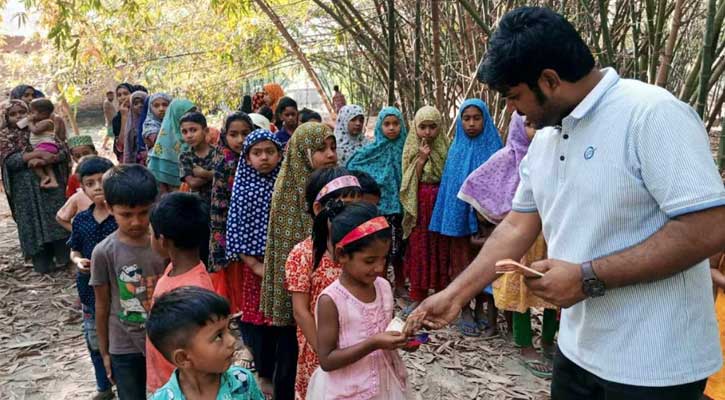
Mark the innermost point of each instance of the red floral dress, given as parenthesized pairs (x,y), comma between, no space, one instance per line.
(300,277)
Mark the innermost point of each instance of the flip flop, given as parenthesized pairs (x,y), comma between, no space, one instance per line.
(537,368)
(482,323)
(468,328)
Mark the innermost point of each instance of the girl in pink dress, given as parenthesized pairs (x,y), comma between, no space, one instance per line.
(358,358)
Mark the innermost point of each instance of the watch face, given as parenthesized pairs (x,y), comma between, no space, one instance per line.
(593,288)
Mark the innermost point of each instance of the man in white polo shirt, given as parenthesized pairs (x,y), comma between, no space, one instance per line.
(621,180)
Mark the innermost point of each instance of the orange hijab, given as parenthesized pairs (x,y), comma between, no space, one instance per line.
(275,91)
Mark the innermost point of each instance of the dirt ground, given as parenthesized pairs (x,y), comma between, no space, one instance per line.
(43,354)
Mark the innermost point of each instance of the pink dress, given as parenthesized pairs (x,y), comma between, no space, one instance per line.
(379,375)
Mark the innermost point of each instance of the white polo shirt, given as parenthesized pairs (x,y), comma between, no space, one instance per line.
(628,159)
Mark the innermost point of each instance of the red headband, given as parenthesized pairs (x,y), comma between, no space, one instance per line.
(337,183)
(376,224)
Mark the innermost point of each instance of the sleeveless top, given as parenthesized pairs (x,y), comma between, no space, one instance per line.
(359,321)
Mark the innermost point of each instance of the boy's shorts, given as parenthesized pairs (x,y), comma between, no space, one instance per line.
(109,131)
(48,147)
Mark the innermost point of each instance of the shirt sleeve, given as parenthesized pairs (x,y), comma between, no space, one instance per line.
(186,164)
(75,242)
(298,270)
(100,265)
(675,162)
(524,198)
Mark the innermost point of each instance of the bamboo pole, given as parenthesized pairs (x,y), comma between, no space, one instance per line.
(391,52)
(707,50)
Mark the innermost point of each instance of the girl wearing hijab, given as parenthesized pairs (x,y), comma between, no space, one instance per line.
(312,147)
(156,107)
(490,190)
(25,93)
(382,160)
(273,92)
(247,239)
(426,259)
(164,157)
(475,141)
(32,208)
(349,131)
(130,132)
(123,96)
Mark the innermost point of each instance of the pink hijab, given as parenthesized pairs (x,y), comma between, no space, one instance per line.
(491,187)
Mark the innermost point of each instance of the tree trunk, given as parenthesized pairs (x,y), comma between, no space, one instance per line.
(297,52)
(437,74)
(707,58)
(669,48)
(391,52)
(476,17)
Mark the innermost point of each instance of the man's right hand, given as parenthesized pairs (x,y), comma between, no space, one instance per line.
(107,365)
(435,312)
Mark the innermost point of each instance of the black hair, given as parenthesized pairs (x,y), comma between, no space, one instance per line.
(267,112)
(125,85)
(529,40)
(182,218)
(110,91)
(336,88)
(306,115)
(329,202)
(44,106)
(283,103)
(195,117)
(177,316)
(140,88)
(246,104)
(237,116)
(349,218)
(129,185)
(367,183)
(93,165)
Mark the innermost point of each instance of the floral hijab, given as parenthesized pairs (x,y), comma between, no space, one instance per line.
(164,158)
(250,203)
(12,139)
(451,216)
(289,222)
(491,187)
(346,143)
(432,170)
(382,159)
(130,146)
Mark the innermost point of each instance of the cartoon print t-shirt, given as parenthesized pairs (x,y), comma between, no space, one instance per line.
(131,273)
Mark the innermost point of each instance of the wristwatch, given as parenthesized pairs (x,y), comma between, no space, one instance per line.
(591,285)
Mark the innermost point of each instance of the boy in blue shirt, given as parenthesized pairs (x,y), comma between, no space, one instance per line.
(190,327)
(89,228)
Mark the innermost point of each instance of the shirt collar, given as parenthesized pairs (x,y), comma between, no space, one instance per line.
(590,100)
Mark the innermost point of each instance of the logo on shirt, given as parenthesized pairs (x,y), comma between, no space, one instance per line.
(589,153)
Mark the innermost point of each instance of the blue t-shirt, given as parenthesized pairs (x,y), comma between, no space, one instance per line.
(86,234)
(236,384)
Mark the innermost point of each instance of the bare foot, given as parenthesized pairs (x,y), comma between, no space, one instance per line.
(490,331)
(265,385)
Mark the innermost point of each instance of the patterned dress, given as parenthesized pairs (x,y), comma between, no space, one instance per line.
(221,192)
(301,277)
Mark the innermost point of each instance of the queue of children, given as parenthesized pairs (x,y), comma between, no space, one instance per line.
(284,238)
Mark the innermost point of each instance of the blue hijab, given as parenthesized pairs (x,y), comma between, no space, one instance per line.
(452,216)
(383,160)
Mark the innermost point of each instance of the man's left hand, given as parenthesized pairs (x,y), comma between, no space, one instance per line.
(561,284)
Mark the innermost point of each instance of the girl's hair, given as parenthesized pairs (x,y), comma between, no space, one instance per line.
(267,112)
(350,217)
(330,203)
(237,116)
(284,102)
